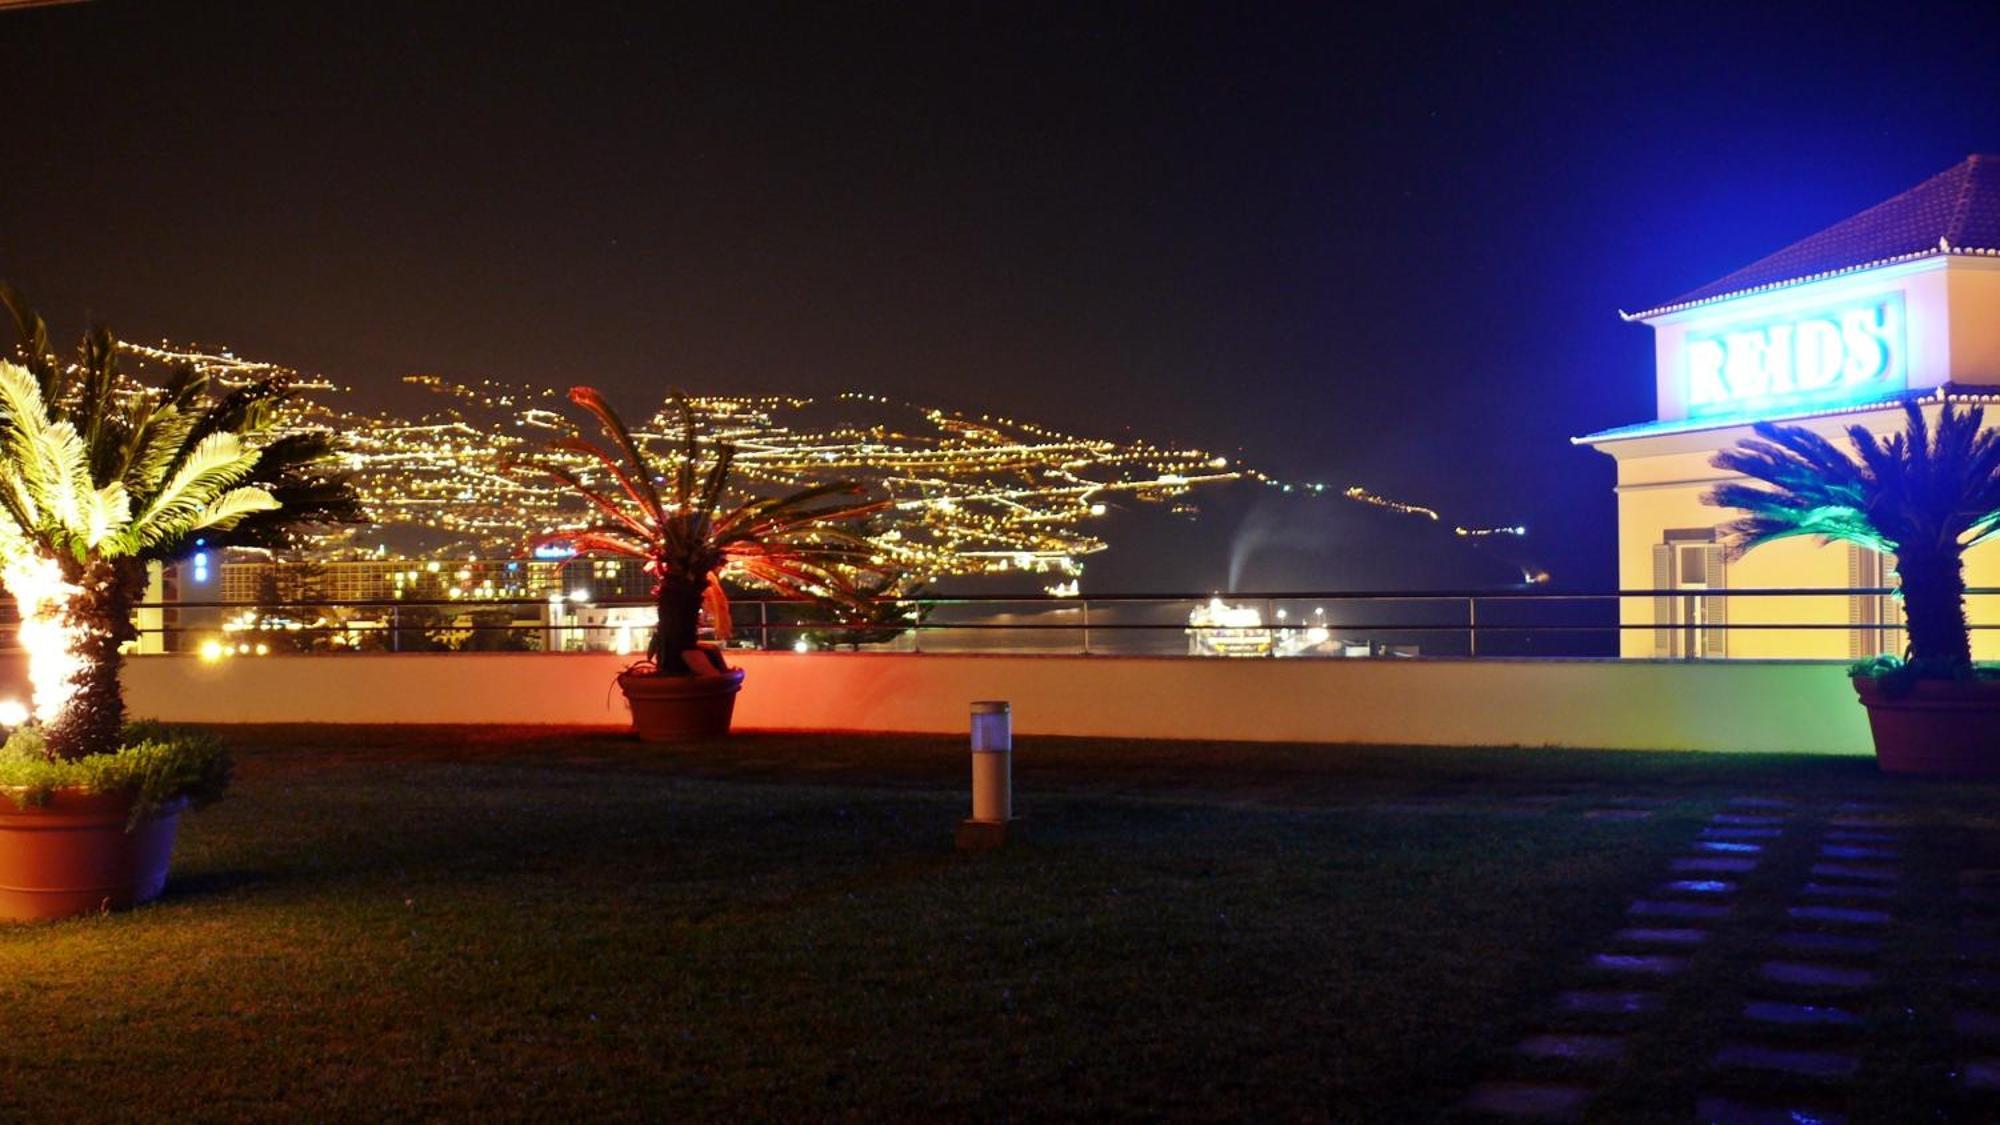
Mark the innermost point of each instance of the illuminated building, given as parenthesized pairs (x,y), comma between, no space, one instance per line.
(1899,302)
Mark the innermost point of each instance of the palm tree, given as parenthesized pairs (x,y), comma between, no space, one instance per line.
(100,475)
(796,544)
(1924,496)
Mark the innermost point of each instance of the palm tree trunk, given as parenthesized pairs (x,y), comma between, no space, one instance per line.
(99,617)
(680,624)
(1934,607)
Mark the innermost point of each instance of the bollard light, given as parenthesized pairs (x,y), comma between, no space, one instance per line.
(992,776)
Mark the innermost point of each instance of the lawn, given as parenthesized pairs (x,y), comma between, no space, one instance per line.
(384,923)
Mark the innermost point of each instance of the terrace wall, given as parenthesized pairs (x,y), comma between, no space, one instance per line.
(1738,705)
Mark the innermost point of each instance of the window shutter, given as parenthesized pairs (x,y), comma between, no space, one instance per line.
(1861,608)
(1663,603)
(1889,608)
(1715,637)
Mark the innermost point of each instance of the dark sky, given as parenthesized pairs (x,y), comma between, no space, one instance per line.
(1384,246)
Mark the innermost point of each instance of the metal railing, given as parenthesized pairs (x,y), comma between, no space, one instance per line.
(1697,624)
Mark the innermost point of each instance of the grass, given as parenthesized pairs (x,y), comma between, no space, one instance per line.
(396,923)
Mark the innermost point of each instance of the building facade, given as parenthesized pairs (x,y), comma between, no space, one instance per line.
(1899,303)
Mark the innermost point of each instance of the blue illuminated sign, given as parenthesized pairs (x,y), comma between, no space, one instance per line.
(555,551)
(1843,353)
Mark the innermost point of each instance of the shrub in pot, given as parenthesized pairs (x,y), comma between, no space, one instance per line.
(1924,497)
(101,474)
(670,513)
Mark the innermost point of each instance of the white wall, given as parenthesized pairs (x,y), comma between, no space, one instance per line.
(1585,703)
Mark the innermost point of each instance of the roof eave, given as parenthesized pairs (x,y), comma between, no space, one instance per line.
(1948,392)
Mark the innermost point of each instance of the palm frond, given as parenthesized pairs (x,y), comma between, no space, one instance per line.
(40,358)
(212,465)
(614,427)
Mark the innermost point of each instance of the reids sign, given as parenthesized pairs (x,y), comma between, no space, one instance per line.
(1843,353)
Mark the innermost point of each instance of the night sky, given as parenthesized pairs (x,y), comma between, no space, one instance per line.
(1386,248)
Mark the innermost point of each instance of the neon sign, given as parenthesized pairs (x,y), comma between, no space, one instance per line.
(1843,353)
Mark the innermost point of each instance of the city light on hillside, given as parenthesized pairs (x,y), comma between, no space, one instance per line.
(969,496)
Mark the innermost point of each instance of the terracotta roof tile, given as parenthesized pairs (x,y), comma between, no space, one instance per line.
(1956,211)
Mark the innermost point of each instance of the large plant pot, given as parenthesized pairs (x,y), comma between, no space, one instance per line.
(73,855)
(1939,728)
(681,708)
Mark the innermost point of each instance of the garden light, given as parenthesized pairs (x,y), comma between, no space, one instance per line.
(992,776)
(13,713)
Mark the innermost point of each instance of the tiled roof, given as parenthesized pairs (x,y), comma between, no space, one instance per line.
(1956,211)
(1970,396)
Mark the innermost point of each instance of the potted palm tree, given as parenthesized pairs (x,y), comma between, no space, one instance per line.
(100,475)
(1923,496)
(670,515)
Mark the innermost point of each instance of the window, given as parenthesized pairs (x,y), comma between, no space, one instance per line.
(1877,618)
(1690,626)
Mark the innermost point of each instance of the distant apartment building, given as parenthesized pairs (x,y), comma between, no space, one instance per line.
(555,604)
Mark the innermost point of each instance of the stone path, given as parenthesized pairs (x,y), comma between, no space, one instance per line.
(1795,982)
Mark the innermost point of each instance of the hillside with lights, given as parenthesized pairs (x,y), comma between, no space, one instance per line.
(1019,505)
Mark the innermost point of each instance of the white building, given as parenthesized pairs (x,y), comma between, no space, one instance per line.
(1900,302)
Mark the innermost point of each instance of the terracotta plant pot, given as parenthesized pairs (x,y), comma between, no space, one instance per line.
(681,708)
(73,855)
(1939,728)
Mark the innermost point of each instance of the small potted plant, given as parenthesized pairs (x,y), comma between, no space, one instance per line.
(670,514)
(100,475)
(1923,496)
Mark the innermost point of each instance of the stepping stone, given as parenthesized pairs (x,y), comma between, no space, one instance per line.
(1745,820)
(1860,807)
(1527,1099)
(1847,890)
(1573,1048)
(1867,873)
(1759,802)
(1982,1074)
(1856,851)
(1727,847)
(1640,802)
(1650,964)
(1875,822)
(1975,1023)
(1595,1003)
(1850,944)
(1660,937)
(1723,864)
(1799,1015)
(1978,947)
(1696,887)
(1651,908)
(1807,975)
(1742,833)
(1844,915)
(1618,814)
(1787,1061)
(1724,1111)
(1863,836)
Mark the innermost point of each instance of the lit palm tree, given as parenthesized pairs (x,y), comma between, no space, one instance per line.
(100,475)
(669,516)
(1924,496)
